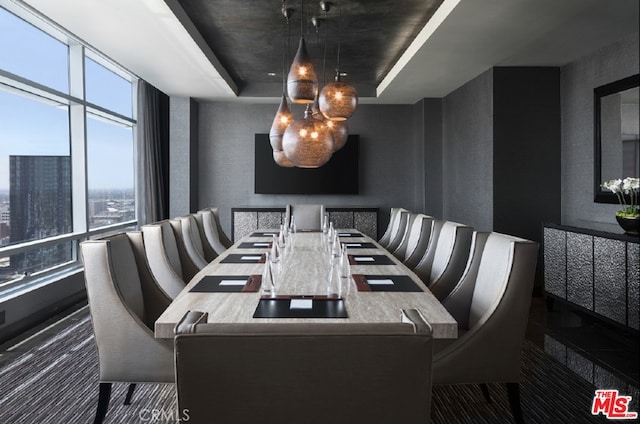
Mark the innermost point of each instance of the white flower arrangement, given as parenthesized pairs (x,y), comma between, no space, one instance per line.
(625,189)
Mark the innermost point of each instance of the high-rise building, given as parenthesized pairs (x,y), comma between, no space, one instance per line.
(40,207)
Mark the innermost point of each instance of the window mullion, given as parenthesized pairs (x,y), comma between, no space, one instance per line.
(78,133)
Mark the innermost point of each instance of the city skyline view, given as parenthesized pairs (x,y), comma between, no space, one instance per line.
(66,116)
(31,125)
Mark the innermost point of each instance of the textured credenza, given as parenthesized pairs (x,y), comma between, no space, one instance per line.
(598,271)
(248,219)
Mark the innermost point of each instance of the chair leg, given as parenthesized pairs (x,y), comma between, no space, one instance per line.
(513,393)
(127,399)
(103,402)
(485,392)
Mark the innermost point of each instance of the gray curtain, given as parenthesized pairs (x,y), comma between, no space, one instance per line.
(153,154)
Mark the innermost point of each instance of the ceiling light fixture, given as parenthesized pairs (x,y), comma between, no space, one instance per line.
(283,117)
(310,142)
(338,100)
(302,82)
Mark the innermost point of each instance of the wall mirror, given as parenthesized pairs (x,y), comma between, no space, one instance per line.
(616,135)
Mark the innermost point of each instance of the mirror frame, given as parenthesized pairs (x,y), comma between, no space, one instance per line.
(601,196)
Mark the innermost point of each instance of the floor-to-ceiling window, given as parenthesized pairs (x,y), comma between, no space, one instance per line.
(66,146)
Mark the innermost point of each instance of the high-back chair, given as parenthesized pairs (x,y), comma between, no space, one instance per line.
(161,249)
(209,233)
(489,345)
(398,230)
(386,237)
(306,217)
(311,373)
(419,237)
(458,300)
(224,240)
(448,261)
(401,250)
(189,243)
(124,303)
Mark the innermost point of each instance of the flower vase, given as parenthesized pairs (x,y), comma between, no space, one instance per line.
(630,224)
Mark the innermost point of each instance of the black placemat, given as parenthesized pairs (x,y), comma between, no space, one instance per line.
(348,234)
(252,245)
(211,284)
(361,245)
(280,307)
(377,260)
(264,234)
(236,258)
(401,283)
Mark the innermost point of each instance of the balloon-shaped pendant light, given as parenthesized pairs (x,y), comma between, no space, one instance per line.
(308,143)
(281,159)
(338,100)
(339,131)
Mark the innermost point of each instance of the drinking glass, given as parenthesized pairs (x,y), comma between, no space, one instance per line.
(268,286)
(333,280)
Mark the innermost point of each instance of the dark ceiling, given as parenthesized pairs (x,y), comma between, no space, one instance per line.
(247,37)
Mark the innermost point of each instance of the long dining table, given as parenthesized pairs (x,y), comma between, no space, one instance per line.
(379,288)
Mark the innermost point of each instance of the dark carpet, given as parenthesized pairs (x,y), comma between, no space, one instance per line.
(54,380)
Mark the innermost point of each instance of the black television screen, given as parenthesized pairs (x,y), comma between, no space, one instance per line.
(338,176)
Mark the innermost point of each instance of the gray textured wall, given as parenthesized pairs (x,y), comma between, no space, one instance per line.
(578,79)
(226,158)
(183,156)
(467,154)
(432,138)
(526,149)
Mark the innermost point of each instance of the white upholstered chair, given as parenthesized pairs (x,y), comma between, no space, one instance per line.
(401,250)
(489,344)
(386,237)
(306,217)
(418,241)
(312,373)
(189,242)
(209,233)
(124,302)
(224,240)
(458,300)
(442,270)
(161,249)
(398,230)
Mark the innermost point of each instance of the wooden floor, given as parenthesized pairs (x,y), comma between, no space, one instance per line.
(52,378)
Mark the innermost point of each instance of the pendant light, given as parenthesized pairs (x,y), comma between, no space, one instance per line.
(302,81)
(339,129)
(340,132)
(308,143)
(283,117)
(281,159)
(280,123)
(338,100)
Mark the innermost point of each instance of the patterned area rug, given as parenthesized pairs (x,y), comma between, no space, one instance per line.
(55,381)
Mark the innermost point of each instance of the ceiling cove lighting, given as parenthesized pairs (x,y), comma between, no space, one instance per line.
(310,142)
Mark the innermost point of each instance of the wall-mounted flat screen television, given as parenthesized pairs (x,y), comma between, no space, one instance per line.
(338,176)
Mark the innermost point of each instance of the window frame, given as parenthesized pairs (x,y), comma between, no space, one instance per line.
(79,109)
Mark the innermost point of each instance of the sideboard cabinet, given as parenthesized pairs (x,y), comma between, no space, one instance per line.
(595,270)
